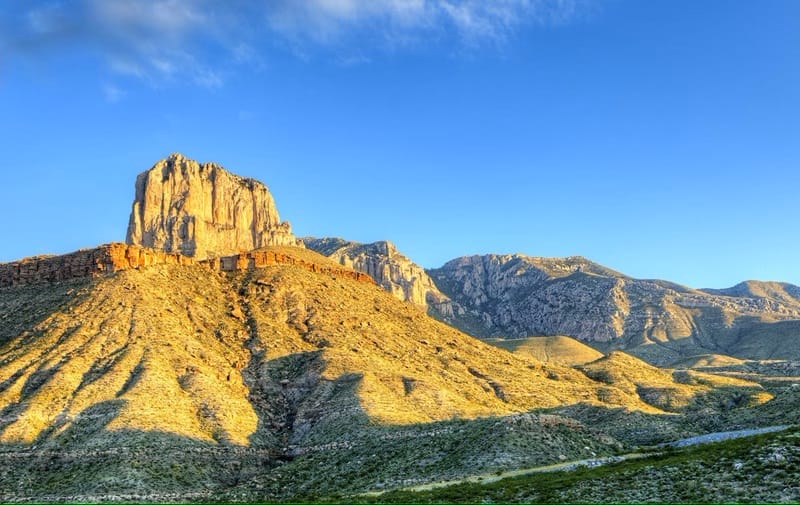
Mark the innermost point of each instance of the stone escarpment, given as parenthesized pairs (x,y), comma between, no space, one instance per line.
(382,261)
(102,260)
(281,256)
(115,257)
(203,211)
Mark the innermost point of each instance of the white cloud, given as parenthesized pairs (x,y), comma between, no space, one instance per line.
(472,21)
(203,40)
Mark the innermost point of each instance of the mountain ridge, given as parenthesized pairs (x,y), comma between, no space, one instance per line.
(519,295)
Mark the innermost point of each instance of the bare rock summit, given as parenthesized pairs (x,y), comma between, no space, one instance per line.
(203,211)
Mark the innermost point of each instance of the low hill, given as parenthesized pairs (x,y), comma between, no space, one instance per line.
(707,360)
(555,349)
(664,389)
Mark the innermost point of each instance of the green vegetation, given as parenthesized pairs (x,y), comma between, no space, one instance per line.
(760,469)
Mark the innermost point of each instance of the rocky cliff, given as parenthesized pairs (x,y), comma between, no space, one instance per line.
(387,266)
(517,295)
(116,257)
(202,210)
(101,260)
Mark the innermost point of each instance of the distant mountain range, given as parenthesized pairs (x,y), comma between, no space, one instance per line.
(513,296)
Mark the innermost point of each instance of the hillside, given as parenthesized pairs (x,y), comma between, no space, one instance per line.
(760,469)
(267,373)
(558,349)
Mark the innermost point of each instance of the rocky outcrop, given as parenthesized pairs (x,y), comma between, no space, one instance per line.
(517,295)
(203,211)
(102,260)
(392,270)
(114,257)
(266,258)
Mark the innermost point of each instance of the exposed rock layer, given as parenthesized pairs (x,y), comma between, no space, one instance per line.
(105,259)
(202,210)
(114,257)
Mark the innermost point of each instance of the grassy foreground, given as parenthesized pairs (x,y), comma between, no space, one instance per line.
(763,468)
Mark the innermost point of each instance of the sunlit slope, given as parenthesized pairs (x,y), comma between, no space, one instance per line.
(554,349)
(708,360)
(272,355)
(408,367)
(659,388)
(162,344)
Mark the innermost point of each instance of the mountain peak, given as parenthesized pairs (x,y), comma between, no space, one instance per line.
(202,210)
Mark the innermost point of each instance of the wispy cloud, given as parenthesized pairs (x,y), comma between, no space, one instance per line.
(154,40)
(200,40)
(471,22)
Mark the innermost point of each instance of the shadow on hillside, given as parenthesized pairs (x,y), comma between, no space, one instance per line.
(744,337)
(313,439)
(26,307)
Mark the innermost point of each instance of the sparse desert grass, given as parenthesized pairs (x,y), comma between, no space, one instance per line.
(761,468)
(554,349)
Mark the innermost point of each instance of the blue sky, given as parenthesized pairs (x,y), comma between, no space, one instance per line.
(658,137)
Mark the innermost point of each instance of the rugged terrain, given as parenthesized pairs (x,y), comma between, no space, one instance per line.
(144,382)
(183,372)
(516,296)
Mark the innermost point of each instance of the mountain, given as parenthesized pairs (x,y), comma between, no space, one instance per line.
(518,295)
(129,373)
(782,291)
(202,210)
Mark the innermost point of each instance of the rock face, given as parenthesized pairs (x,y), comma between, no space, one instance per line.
(517,296)
(203,211)
(115,257)
(392,270)
(284,256)
(102,260)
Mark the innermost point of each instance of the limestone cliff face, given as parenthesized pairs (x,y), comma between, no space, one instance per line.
(382,261)
(517,295)
(102,260)
(202,210)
